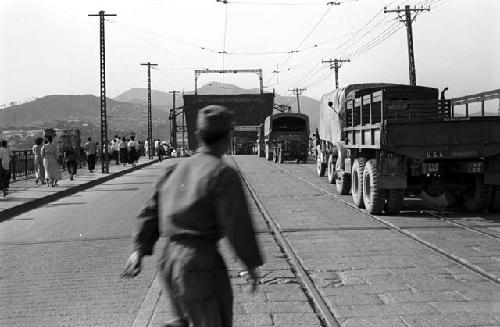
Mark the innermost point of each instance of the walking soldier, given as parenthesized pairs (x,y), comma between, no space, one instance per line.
(195,204)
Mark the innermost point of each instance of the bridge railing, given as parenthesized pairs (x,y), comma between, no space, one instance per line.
(475,98)
(22,164)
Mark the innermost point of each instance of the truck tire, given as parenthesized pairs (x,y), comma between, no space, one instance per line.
(477,198)
(454,198)
(268,153)
(343,182)
(320,167)
(330,166)
(373,196)
(495,200)
(394,202)
(357,182)
(280,157)
(275,157)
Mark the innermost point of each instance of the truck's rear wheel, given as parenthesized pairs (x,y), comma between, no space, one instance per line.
(320,167)
(495,200)
(478,195)
(454,198)
(268,153)
(373,196)
(280,157)
(357,182)
(394,202)
(275,157)
(331,169)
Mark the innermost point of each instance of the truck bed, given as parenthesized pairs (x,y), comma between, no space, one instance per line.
(470,137)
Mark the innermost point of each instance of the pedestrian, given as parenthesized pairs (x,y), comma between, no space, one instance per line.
(157,146)
(115,149)
(197,202)
(38,161)
(146,148)
(132,151)
(90,150)
(4,167)
(70,159)
(123,151)
(50,153)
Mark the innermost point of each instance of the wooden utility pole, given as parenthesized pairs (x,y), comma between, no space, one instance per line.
(334,64)
(297,92)
(173,124)
(408,20)
(150,116)
(104,123)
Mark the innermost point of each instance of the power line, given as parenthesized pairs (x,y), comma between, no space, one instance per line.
(150,118)
(297,92)
(409,32)
(104,121)
(335,64)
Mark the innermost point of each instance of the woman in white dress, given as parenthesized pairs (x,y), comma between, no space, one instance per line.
(49,155)
(37,156)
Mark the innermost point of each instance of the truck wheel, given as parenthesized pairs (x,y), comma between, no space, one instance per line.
(478,196)
(394,202)
(454,198)
(373,196)
(320,167)
(331,169)
(357,182)
(275,157)
(280,157)
(495,200)
(268,153)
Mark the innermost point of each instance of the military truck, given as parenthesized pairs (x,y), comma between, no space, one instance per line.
(286,137)
(381,141)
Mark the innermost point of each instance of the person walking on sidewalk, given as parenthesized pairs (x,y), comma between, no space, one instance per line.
(4,167)
(195,204)
(52,169)
(71,160)
(123,151)
(115,149)
(133,154)
(90,150)
(38,161)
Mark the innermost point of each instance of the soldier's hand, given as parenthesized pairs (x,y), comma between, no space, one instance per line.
(133,266)
(254,279)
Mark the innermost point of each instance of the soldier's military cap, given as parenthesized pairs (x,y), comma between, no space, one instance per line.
(214,119)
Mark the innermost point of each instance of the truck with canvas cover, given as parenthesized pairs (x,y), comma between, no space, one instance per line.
(381,141)
(286,137)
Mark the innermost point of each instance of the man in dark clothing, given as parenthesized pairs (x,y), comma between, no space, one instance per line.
(195,204)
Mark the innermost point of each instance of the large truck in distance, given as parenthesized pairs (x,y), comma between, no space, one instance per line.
(286,137)
(381,141)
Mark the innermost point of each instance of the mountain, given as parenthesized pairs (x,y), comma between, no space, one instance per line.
(78,110)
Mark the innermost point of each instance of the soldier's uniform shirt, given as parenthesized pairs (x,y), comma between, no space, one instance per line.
(195,204)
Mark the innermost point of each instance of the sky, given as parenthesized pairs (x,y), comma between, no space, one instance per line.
(52,46)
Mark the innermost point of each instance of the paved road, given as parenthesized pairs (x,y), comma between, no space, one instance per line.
(370,274)
(60,264)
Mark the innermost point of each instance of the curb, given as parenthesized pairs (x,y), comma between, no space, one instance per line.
(30,205)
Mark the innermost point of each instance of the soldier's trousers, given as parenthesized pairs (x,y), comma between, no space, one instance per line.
(195,279)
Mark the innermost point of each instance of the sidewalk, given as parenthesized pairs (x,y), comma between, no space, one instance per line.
(25,195)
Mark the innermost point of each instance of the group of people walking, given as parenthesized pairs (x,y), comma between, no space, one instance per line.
(125,150)
(47,169)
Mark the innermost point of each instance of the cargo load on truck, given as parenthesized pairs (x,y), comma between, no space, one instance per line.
(381,141)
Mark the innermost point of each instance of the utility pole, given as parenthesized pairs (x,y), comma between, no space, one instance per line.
(104,122)
(334,64)
(173,125)
(297,92)
(150,116)
(408,20)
